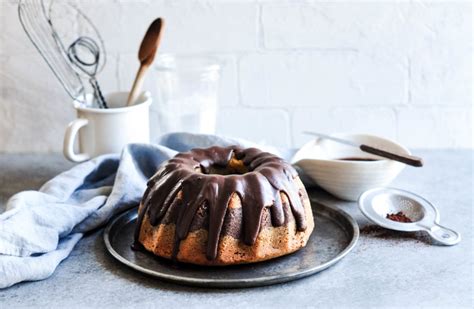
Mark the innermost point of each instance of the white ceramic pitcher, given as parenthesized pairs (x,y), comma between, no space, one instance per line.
(102,131)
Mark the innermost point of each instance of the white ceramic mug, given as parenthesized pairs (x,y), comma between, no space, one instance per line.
(102,131)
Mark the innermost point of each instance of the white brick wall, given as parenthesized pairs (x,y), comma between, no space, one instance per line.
(335,78)
(400,69)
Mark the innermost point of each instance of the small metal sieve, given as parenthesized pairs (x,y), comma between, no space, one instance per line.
(376,203)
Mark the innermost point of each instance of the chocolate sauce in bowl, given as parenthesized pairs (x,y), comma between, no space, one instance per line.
(358,159)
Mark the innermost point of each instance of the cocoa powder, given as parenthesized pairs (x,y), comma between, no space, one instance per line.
(394,237)
(399,217)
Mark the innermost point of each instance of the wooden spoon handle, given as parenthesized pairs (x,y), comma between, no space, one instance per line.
(137,85)
(407,159)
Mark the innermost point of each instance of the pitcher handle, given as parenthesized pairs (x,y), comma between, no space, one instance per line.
(70,138)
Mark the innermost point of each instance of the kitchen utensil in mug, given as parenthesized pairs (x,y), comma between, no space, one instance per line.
(186,93)
(146,55)
(102,131)
(50,31)
(34,21)
(83,46)
(78,55)
(377,203)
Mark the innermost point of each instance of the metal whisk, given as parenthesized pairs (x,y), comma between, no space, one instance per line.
(88,65)
(82,56)
(33,19)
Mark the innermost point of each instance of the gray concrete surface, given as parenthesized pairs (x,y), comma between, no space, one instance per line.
(385,269)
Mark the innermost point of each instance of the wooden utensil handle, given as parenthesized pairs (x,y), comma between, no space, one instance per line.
(137,85)
(407,159)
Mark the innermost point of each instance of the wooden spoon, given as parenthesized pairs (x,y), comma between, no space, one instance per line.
(146,55)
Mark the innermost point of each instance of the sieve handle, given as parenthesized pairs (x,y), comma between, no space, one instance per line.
(444,235)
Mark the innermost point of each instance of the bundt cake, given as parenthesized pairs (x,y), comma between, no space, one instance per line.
(223,206)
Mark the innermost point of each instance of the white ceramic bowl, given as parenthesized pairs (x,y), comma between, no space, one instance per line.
(348,179)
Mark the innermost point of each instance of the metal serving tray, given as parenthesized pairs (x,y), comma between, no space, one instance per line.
(335,235)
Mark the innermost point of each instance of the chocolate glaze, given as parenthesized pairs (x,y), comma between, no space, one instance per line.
(189,172)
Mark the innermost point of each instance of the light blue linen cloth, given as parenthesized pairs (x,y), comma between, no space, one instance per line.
(40,228)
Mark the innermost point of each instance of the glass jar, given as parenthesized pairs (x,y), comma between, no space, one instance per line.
(186,94)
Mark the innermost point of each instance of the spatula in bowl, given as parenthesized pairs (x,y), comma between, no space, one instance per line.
(404,158)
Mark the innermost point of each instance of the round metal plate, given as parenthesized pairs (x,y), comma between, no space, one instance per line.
(335,235)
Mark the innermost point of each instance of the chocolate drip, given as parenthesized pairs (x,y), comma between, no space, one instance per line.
(189,173)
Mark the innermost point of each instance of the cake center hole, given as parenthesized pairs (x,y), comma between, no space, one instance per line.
(234,167)
(223,170)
